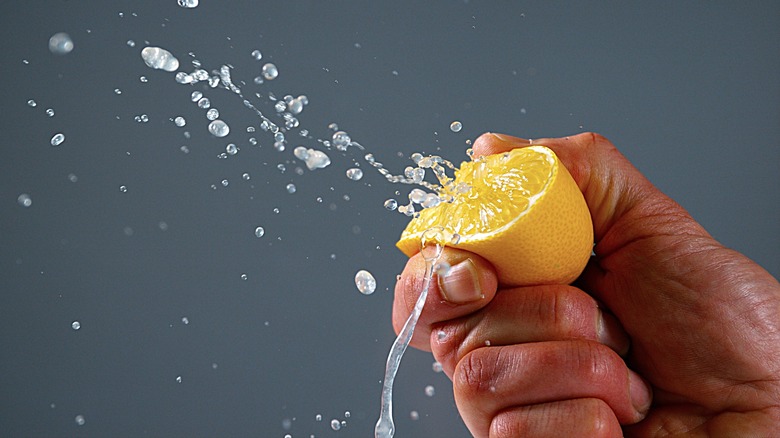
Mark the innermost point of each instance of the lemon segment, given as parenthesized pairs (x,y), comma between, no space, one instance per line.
(520,210)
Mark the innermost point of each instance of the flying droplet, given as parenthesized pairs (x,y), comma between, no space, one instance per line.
(159,59)
(257,55)
(180,121)
(75,325)
(188,4)
(218,128)
(291,188)
(430,390)
(231,149)
(259,231)
(60,43)
(365,282)
(391,204)
(80,420)
(270,71)
(456,126)
(123,189)
(335,424)
(57,139)
(32,103)
(316,159)
(295,106)
(212,114)
(442,269)
(341,140)
(354,174)
(24,200)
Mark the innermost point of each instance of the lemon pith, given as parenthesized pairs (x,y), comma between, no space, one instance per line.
(522,212)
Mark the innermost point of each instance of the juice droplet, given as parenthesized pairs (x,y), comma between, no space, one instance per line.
(60,43)
(341,140)
(159,59)
(313,158)
(259,232)
(354,174)
(24,200)
(188,4)
(57,139)
(270,71)
(256,54)
(75,325)
(218,128)
(456,126)
(365,282)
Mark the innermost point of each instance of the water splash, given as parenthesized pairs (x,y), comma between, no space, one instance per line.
(431,251)
(159,59)
(60,43)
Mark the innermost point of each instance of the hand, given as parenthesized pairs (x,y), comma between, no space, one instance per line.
(703,323)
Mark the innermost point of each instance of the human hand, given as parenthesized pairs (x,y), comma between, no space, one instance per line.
(704,323)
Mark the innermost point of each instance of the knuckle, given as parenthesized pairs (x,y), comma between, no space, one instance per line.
(571,313)
(597,363)
(509,424)
(475,373)
(446,341)
(579,417)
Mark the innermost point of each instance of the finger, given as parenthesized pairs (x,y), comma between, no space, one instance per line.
(490,380)
(585,417)
(527,314)
(469,285)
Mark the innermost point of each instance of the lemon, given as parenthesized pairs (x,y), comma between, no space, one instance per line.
(520,210)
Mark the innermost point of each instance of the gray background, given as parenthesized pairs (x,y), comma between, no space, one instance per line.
(689,91)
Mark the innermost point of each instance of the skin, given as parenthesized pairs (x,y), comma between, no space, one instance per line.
(666,333)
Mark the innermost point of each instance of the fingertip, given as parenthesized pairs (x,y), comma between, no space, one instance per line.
(491,143)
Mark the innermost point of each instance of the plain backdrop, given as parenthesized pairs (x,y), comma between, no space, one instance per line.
(173,341)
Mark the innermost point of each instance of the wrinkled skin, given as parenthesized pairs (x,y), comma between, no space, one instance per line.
(666,332)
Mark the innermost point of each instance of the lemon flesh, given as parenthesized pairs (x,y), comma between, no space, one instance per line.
(520,210)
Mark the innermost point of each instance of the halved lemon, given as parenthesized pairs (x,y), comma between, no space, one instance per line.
(521,210)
